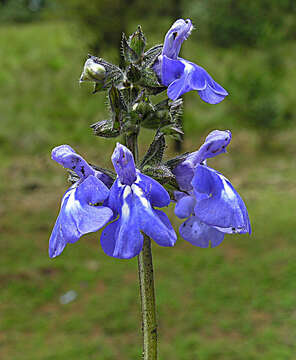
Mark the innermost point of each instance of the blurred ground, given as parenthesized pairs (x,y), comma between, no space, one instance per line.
(234,302)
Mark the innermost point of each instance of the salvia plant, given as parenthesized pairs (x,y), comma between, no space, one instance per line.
(125,201)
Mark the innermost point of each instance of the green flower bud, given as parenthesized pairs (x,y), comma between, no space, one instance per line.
(93,71)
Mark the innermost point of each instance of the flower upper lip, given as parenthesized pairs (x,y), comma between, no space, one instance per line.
(183,28)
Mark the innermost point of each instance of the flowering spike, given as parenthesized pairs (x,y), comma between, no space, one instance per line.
(127,201)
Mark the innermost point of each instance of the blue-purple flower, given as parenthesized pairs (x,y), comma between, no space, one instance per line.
(180,75)
(81,209)
(210,203)
(133,198)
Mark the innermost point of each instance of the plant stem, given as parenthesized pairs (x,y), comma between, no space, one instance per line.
(146,280)
(132,143)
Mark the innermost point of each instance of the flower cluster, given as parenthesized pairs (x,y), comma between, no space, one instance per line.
(126,203)
(129,206)
(206,198)
(211,205)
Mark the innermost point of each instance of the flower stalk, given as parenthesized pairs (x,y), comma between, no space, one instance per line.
(131,141)
(147,294)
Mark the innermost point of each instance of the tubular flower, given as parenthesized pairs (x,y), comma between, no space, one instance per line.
(133,197)
(215,144)
(211,205)
(80,211)
(180,75)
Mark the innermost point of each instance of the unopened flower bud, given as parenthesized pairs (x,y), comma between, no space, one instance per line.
(93,71)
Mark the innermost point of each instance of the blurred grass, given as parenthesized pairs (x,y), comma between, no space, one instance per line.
(236,301)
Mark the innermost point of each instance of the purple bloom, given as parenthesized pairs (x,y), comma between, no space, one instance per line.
(133,197)
(211,204)
(180,75)
(215,144)
(80,211)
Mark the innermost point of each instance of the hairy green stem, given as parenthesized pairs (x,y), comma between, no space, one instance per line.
(146,280)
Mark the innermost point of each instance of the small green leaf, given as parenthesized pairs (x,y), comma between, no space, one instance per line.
(149,79)
(117,105)
(133,73)
(172,163)
(176,111)
(143,109)
(159,117)
(105,129)
(151,55)
(155,152)
(137,42)
(129,54)
(172,131)
(98,87)
(160,173)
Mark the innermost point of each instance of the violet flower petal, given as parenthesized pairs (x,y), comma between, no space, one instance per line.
(152,223)
(193,77)
(69,159)
(122,239)
(77,217)
(113,201)
(92,191)
(171,70)
(179,31)
(200,234)
(215,144)
(184,173)
(154,192)
(223,207)
(185,207)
